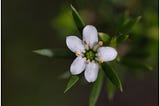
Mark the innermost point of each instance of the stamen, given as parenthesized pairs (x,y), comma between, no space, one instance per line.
(100,33)
(95,47)
(85,42)
(78,54)
(88,61)
(82,54)
(83,51)
(99,60)
(100,43)
(86,45)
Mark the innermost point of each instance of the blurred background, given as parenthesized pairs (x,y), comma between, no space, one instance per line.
(29,79)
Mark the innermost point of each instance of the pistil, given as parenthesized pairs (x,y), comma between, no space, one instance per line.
(90,54)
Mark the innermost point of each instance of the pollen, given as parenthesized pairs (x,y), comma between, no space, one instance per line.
(85,42)
(99,60)
(78,54)
(100,43)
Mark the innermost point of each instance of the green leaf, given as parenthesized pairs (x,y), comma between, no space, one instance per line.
(118,58)
(96,89)
(64,21)
(112,75)
(110,89)
(54,52)
(65,75)
(140,54)
(126,28)
(104,37)
(135,64)
(44,52)
(72,81)
(113,42)
(122,38)
(128,25)
(77,19)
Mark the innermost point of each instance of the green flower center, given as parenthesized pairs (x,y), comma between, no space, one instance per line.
(90,54)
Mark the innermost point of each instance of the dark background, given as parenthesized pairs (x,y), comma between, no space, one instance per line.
(29,79)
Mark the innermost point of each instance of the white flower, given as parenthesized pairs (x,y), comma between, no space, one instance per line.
(89,53)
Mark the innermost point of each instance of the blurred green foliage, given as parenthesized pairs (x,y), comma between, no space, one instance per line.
(29,79)
(111,15)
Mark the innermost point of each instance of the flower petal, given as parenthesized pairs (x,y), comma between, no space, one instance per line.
(91,71)
(90,35)
(107,53)
(74,44)
(78,65)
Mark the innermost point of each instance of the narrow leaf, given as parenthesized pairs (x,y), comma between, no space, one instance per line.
(54,52)
(44,52)
(118,58)
(112,75)
(122,38)
(113,42)
(104,37)
(126,28)
(65,75)
(72,81)
(133,54)
(135,64)
(110,89)
(96,89)
(77,19)
(128,25)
